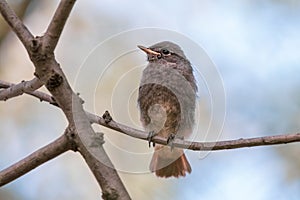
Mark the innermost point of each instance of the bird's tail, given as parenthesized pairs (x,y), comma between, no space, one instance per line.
(166,162)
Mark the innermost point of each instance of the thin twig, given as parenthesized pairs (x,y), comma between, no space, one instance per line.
(13,90)
(197,146)
(35,159)
(21,9)
(16,24)
(55,28)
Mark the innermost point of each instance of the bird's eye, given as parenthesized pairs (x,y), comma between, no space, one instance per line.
(165,51)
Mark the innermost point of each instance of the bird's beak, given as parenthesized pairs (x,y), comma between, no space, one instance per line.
(148,50)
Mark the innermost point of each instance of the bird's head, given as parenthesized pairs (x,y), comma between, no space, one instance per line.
(166,51)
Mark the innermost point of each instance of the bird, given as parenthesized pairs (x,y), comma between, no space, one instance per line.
(167,101)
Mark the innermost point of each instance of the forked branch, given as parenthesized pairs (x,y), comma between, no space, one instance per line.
(49,72)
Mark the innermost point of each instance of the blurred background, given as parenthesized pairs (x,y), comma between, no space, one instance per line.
(255,47)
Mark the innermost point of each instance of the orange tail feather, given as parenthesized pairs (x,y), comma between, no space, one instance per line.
(164,166)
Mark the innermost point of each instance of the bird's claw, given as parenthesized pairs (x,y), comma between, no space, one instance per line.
(151,134)
(170,140)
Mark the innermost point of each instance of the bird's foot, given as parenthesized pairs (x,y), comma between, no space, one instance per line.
(170,140)
(151,134)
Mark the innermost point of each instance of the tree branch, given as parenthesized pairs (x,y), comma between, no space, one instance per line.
(102,168)
(55,28)
(35,159)
(21,9)
(102,171)
(16,24)
(48,70)
(197,146)
(13,90)
(96,157)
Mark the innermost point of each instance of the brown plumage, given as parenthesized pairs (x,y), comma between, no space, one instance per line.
(166,99)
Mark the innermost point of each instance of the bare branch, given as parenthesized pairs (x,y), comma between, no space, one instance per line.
(16,24)
(104,171)
(101,166)
(20,9)
(106,175)
(19,89)
(197,146)
(35,159)
(56,25)
(48,70)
